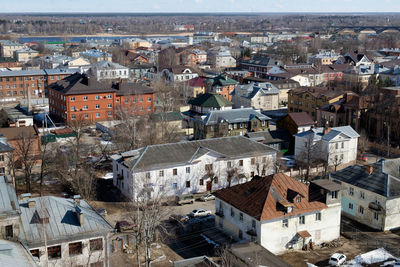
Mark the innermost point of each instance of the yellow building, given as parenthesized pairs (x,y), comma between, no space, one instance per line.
(309,99)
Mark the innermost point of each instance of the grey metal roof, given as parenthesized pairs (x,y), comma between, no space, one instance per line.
(5,147)
(59,71)
(251,89)
(270,137)
(173,154)
(9,73)
(14,254)
(63,223)
(335,131)
(8,199)
(233,116)
(378,182)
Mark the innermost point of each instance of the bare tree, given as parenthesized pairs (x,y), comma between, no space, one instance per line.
(26,148)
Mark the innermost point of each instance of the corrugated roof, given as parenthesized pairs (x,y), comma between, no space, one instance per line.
(318,133)
(259,197)
(173,154)
(8,199)
(63,223)
(233,116)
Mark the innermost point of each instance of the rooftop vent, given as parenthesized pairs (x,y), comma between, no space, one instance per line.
(369,169)
(79,215)
(31,203)
(77,199)
(25,196)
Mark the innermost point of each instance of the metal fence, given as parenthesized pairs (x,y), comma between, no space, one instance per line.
(369,242)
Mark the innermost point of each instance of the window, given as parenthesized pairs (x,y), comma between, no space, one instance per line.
(175,171)
(305,144)
(97,115)
(85,98)
(148,175)
(302,220)
(1,157)
(351,191)
(97,106)
(209,167)
(73,108)
(97,97)
(241,162)
(187,169)
(9,231)
(86,116)
(109,105)
(201,182)
(376,216)
(241,217)
(161,173)
(54,252)
(215,180)
(342,144)
(109,113)
(75,248)
(149,99)
(35,253)
(96,244)
(253,161)
(253,224)
(336,145)
(73,117)
(174,185)
(361,210)
(126,100)
(141,100)
(109,96)
(334,194)
(318,216)
(232,213)
(285,223)
(298,199)
(229,164)
(86,107)
(187,184)
(351,206)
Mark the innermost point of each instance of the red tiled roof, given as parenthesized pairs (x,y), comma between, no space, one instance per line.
(196,82)
(301,118)
(260,197)
(304,234)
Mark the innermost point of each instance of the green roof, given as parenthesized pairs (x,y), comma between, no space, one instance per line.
(222,80)
(167,116)
(7,59)
(210,100)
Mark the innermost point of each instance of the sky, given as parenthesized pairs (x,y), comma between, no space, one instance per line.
(151,6)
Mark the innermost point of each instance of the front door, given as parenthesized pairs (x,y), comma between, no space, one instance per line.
(208,185)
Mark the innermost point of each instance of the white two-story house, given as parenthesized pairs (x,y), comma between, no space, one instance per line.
(279,212)
(335,146)
(191,167)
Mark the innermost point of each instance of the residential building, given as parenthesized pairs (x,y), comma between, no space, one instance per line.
(201,56)
(221,58)
(371,193)
(179,74)
(9,210)
(296,122)
(260,66)
(18,83)
(6,155)
(324,58)
(7,48)
(278,139)
(8,62)
(190,167)
(25,55)
(263,96)
(75,234)
(309,99)
(14,254)
(207,102)
(106,70)
(95,55)
(80,97)
(219,123)
(195,87)
(356,58)
(30,135)
(335,146)
(222,85)
(168,122)
(279,212)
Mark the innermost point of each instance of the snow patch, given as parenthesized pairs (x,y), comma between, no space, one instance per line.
(209,241)
(374,256)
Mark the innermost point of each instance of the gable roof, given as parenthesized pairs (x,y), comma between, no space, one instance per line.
(210,100)
(318,133)
(233,116)
(259,198)
(250,90)
(8,199)
(173,154)
(196,82)
(167,116)
(221,80)
(270,137)
(301,118)
(14,133)
(63,223)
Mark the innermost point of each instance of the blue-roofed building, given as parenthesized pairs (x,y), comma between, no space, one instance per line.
(75,234)
(335,146)
(371,194)
(95,55)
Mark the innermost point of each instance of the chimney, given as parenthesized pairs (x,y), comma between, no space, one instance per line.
(79,215)
(31,203)
(25,196)
(369,169)
(77,199)
(327,129)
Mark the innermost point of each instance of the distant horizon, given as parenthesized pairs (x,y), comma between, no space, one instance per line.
(200,6)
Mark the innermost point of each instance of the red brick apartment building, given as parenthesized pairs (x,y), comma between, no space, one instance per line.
(79,97)
(15,84)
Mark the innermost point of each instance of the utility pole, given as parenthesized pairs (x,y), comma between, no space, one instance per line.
(388,140)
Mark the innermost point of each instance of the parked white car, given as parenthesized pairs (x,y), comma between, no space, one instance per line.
(199,212)
(288,161)
(337,259)
(207,197)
